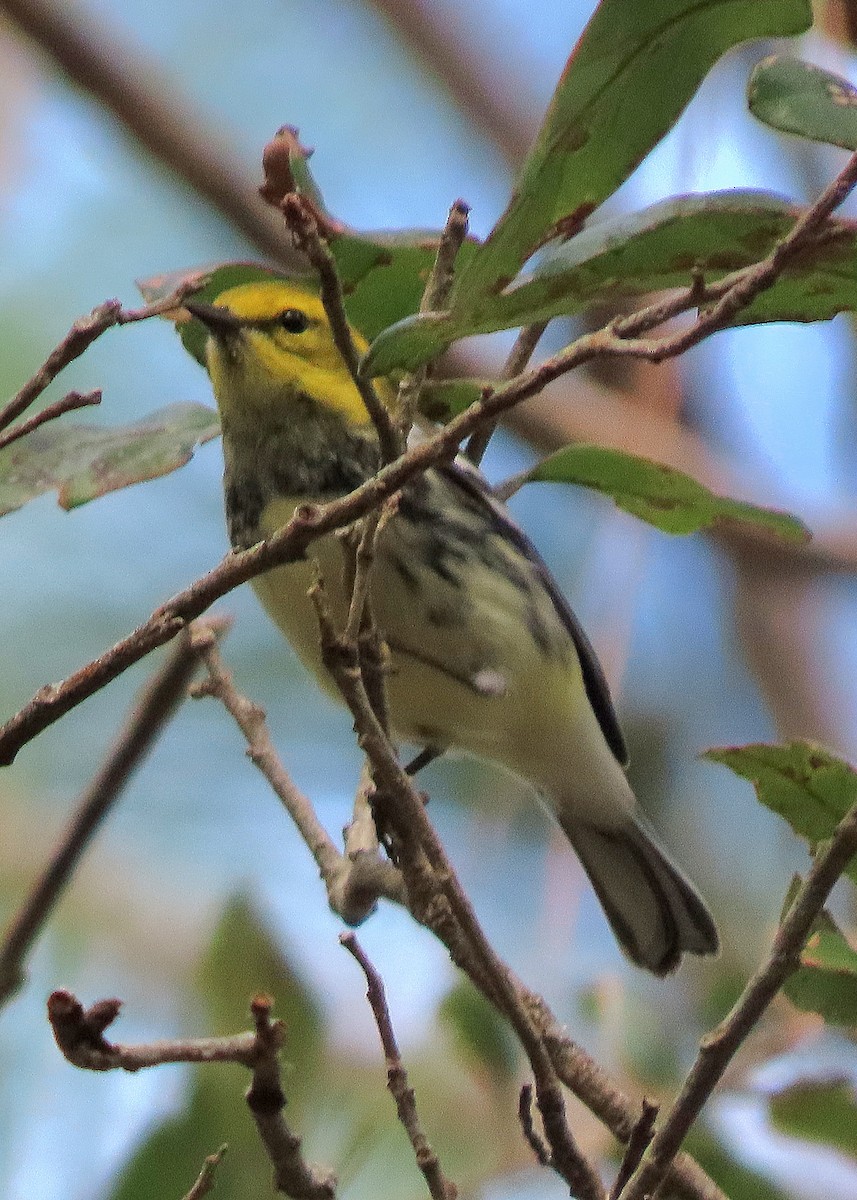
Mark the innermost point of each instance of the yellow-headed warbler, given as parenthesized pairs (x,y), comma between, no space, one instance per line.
(486,655)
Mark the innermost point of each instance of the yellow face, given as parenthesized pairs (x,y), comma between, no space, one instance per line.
(283,347)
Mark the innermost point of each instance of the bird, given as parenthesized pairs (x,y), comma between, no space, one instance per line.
(486,656)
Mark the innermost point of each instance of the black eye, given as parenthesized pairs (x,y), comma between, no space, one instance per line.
(293,320)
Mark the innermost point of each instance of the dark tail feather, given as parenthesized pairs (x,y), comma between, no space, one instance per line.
(654,911)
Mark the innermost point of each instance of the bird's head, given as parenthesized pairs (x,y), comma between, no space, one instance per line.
(271,342)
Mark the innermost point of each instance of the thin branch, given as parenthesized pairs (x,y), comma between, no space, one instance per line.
(354,882)
(442,275)
(719,1047)
(434,298)
(439,1186)
(82,334)
(79,338)
(638,1143)
(407,818)
(361,574)
(68,403)
(266,1101)
(152,710)
(517,361)
(79,1034)
(301,221)
(525,1117)
(205,1179)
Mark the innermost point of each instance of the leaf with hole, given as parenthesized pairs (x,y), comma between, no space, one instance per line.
(83,461)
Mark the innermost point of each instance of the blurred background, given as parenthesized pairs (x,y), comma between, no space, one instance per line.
(130,144)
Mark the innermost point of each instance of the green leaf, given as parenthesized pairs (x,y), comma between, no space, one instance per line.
(821,1110)
(826,980)
(666,498)
(635,68)
(797,97)
(481,1035)
(83,462)
(662,247)
(801,782)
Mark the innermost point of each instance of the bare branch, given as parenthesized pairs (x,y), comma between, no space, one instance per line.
(439,1186)
(80,337)
(79,1033)
(719,1047)
(434,297)
(405,816)
(152,710)
(68,403)
(82,334)
(442,274)
(302,222)
(638,1143)
(525,1116)
(265,1099)
(519,357)
(354,882)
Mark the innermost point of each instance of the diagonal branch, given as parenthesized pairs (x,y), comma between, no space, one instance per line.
(439,1186)
(152,711)
(79,338)
(719,1047)
(354,882)
(404,814)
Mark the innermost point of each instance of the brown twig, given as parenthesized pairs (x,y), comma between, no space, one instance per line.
(638,1143)
(354,882)
(265,1099)
(719,1047)
(68,403)
(439,1186)
(407,818)
(519,357)
(79,338)
(152,710)
(82,334)
(525,1117)
(301,221)
(79,1033)
(434,297)
(205,1179)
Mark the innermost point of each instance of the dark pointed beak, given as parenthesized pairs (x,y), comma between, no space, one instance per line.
(220,322)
